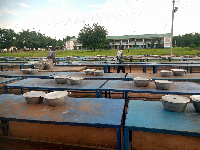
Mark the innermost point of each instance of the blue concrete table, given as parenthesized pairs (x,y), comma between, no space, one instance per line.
(8,80)
(161,59)
(106,76)
(94,112)
(186,77)
(177,62)
(8,62)
(88,64)
(10,74)
(150,116)
(139,64)
(50,84)
(107,65)
(156,59)
(136,59)
(180,88)
(191,59)
(188,66)
(20,65)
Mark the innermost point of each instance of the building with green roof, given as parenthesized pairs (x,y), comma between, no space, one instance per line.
(140,41)
(131,41)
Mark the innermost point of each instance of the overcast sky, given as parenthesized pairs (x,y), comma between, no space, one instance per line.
(59,18)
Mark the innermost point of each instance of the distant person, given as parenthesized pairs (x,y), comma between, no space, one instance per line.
(120,60)
(49,54)
(53,57)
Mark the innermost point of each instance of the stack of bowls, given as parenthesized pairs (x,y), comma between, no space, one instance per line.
(174,102)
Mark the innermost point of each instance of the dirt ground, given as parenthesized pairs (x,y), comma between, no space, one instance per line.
(35,136)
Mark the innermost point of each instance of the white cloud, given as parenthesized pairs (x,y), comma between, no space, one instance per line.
(24,5)
(5,10)
(119,17)
(95,6)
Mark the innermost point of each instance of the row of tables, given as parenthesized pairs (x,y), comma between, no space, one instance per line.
(101,86)
(94,58)
(105,112)
(145,65)
(107,76)
(107,65)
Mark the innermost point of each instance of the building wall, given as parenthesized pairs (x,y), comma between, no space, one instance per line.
(69,45)
(167,41)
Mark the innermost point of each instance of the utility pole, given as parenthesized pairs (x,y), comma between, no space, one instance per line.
(173,11)
(172,28)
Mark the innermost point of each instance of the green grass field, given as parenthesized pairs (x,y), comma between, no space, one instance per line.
(64,53)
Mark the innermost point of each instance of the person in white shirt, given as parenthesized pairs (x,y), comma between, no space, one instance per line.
(49,54)
(120,60)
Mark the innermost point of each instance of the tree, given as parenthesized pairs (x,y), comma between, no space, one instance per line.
(60,43)
(67,38)
(93,37)
(179,41)
(159,41)
(197,39)
(7,38)
(25,39)
(152,43)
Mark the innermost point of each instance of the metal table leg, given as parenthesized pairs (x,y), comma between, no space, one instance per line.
(5,127)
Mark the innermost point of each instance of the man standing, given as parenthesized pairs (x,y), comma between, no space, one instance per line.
(53,57)
(49,54)
(120,60)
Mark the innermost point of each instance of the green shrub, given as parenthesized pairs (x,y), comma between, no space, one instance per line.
(193,46)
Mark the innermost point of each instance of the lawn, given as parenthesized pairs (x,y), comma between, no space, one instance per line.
(64,53)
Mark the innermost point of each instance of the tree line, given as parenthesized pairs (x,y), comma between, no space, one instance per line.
(91,37)
(187,40)
(29,39)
